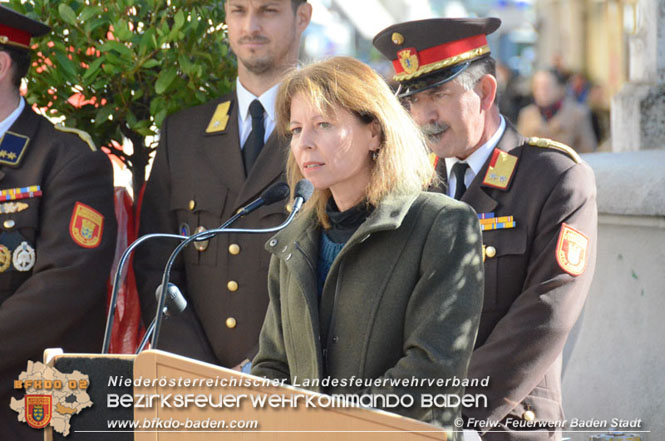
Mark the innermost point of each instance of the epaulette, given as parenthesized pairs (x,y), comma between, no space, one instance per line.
(544,142)
(81,134)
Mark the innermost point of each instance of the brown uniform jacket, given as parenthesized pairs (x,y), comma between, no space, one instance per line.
(198,180)
(60,301)
(530,303)
(571,125)
(401,301)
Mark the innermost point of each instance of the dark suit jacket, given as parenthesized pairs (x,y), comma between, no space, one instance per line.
(198,180)
(530,303)
(60,302)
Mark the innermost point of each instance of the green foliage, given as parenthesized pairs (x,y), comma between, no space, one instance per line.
(117,68)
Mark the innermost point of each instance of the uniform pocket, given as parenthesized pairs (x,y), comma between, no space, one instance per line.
(194,208)
(504,266)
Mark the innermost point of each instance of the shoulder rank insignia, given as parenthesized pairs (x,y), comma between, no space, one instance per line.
(220,118)
(85,136)
(571,250)
(501,170)
(12,147)
(86,226)
(548,143)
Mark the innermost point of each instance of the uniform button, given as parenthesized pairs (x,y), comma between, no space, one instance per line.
(192,205)
(232,286)
(9,223)
(490,252)
(234,249)
(231,323)
(273,242)
(203,244)
(335,339)
(529,415)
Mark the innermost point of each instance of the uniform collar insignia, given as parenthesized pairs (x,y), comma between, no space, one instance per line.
(220,118)
(12,147)
(501,170)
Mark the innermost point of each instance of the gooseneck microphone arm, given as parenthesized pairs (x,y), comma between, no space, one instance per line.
(273,194)
(302,192)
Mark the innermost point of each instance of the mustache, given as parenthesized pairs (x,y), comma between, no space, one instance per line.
(433,131)
(254,39)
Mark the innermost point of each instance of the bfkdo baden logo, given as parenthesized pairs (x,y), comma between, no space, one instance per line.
(38,410)
(51,397)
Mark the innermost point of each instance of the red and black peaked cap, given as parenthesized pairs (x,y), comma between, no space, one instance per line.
(427,53)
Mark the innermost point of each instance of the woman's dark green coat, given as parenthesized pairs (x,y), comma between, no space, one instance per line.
(402,300)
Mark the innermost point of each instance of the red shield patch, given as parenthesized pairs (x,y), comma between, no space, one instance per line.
(38,410)
(571,250)
(86,226)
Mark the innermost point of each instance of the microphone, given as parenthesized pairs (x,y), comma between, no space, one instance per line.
(175,304)
(175,301)
(303,191)
(272,194)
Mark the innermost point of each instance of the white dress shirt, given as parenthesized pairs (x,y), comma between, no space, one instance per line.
(476,160)
(245,98)
(11,119)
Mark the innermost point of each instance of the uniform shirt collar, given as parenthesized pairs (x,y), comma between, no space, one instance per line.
(245,98)
(478,158)
(11,119)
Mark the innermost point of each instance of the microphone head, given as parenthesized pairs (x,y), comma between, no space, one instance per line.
(275,193)
(175,302)
(304,190)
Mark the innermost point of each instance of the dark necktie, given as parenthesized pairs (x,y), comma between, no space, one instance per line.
(459,169)
(254,143)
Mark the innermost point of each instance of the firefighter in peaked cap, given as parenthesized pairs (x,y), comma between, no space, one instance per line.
(536,203)
(57,229)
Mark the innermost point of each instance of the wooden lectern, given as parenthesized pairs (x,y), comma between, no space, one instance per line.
(233,394)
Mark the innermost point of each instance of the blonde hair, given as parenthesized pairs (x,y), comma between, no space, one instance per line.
(402,165)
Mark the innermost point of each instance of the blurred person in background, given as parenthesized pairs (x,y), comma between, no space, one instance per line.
(556,116)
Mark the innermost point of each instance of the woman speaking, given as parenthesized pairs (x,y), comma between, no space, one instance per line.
(375,279)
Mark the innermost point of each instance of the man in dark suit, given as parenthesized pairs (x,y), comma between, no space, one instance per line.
(212,160)
(536,200)
(57,229)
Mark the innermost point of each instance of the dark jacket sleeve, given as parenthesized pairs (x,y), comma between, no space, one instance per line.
(67,288)
(530,337)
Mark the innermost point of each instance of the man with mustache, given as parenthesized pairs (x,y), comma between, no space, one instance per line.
(212,160)
(536,200)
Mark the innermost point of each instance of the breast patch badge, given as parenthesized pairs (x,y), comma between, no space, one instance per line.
(86,226)
(571,250)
